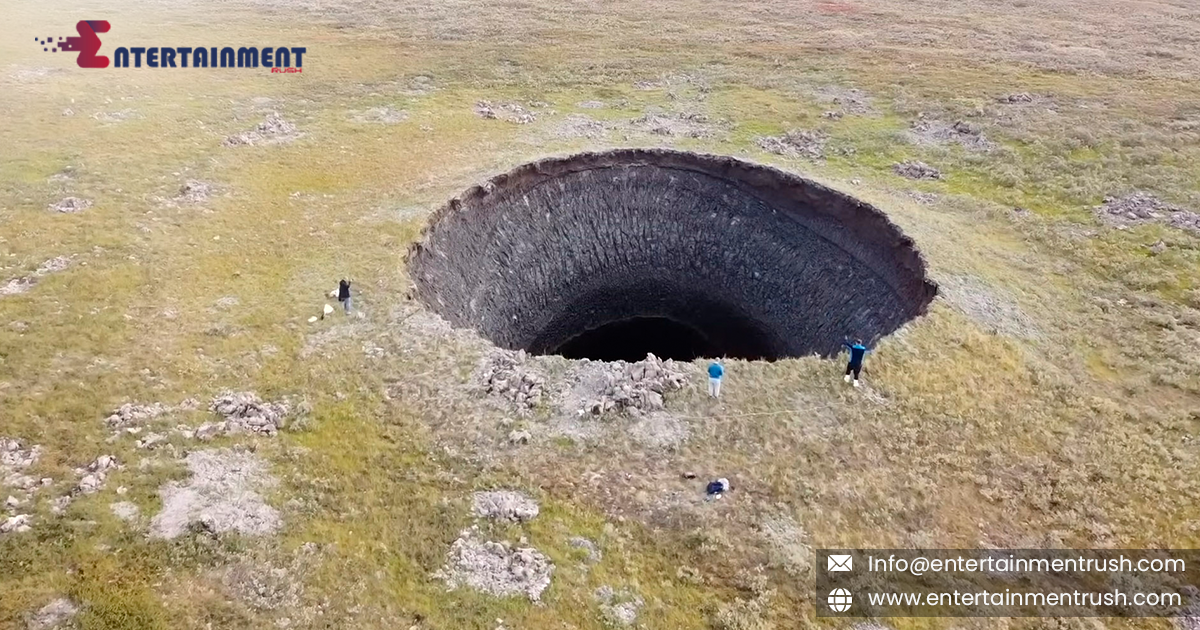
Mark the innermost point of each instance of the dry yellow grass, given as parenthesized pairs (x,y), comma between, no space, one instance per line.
(1080,433)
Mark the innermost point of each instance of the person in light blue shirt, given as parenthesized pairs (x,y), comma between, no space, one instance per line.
(857,352)
(715,372)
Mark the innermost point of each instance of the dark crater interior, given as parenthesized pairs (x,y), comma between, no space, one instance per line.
(612,255)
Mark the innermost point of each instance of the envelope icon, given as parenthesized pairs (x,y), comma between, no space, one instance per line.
(839,562)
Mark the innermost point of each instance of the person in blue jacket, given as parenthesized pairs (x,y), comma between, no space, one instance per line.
(857,352)
(715,372)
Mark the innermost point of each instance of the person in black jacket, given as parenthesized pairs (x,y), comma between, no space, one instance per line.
(344,294)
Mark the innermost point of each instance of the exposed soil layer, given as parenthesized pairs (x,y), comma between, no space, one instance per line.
(720,256)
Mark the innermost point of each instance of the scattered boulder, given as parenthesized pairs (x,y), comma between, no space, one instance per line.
(56,614)
(273,130)
(221,496)
(580,126)
(913,169)
(1140,207)
(519,437)
(504,505)
(495,568)
(71,205)
(796,143)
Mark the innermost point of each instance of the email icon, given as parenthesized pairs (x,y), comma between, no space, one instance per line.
(840,562)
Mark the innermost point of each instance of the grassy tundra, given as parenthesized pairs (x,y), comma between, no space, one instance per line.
(1049,398)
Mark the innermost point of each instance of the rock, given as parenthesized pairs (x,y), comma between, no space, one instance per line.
(504,505)
(1019,97)
(273,130)
(1158,248)
(90,483)
(12,502)
(1139,207)
(16,524)
(594,554)
(519,437)
(59,505)
(56,614)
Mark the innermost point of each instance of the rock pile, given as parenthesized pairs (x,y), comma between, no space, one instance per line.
(13,459)
(71,205)
(504,505)
(634,387)
(273,130)
(132,414)
(16,524)
(93,476)
(496,568)
(685,125)
(619,608)
(969,136)
(913,169)
(1141,207)
(511,112)
(506,374)
(245,411)
(194,191)
(24,283)
(796,143)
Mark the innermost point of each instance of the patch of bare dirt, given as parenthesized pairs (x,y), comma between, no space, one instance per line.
(496,568)
(221,496)
(117,116)
(1139,208)
(796,143)
(913,169)
(986,305)
(927,131)
(380,115)
(580,126)
(677,125)
(273,130)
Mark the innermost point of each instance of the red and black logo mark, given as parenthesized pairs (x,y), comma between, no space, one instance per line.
(87,44)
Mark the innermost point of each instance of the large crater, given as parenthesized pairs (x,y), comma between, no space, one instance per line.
(613,255)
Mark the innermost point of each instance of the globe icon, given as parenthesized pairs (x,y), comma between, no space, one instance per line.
(839,600)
